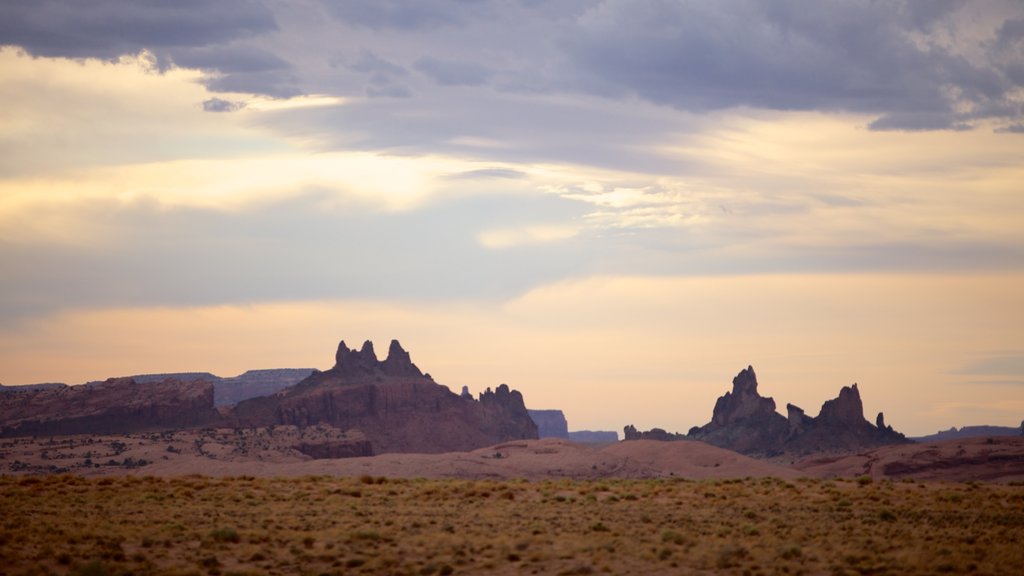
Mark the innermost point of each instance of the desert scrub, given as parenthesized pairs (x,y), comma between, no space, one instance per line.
(370,525)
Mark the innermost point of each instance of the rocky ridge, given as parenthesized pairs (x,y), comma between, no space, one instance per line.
(747,422)
(396,406)
(114,406)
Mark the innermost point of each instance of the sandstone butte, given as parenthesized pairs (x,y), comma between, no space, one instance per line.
(391,405)
(746,422)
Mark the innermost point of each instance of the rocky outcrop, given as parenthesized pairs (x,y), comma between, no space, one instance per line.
(746,422)
(115,406)
(631,433)
(841,427)
(550,423)
(395,405)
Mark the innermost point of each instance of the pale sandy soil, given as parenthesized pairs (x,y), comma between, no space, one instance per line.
(270,452)
(999,458)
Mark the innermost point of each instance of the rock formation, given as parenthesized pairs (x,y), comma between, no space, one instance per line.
(396,406)
(746,422)
(631,433)
(550,423)
(115,406)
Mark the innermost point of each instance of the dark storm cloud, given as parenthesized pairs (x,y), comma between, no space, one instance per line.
(399,14)
(453,72)
(787,55)
(382,74)
(230,59)
(189,33)
(110,28)
(911,64)
(370,63)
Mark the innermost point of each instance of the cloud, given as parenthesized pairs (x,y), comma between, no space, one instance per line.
(1001,364)
(908,65)
(399,14)
(306,247)
(220,105)
(202,34)
(828,56)
(108,28)
(486,173)
(453,72)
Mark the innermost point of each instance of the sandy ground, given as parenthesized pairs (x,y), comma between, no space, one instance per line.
(998,458)
(270,453)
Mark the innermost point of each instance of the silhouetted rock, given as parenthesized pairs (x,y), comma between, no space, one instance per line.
(631,433)
(550,423)
(798,421)
(746,422)
(398,362)
(394,405)
(115,406)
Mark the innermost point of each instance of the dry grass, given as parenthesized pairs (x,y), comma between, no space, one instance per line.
(322,525)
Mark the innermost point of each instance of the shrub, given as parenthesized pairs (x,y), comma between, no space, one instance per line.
(225,535)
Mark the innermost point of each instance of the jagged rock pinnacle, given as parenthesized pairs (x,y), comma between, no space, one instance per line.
(398,362)
(847,408)
(367,352)
(743,402)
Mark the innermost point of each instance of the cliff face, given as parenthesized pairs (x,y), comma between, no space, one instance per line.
(550,423)
(396,406)
(747,422)
(253,383)
(115,406)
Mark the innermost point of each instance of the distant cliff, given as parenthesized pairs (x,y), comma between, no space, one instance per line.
(594,436)
(115,406)
(972,432)
(550,423)
(234,389)
(396,406)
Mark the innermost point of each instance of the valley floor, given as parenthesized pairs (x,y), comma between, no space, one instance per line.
(69,524)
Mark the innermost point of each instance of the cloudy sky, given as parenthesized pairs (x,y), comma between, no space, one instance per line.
(613,206)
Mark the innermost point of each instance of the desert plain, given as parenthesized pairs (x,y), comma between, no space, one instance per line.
(209,502)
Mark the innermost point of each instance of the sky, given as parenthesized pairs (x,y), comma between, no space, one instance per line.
(612,206)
